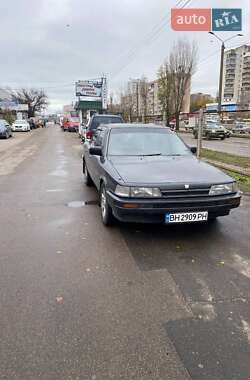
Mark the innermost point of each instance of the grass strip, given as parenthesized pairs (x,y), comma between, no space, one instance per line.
(227,158)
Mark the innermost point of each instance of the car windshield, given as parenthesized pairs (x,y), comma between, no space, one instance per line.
(74,119)
(105,120)
(213,126)
(142,142)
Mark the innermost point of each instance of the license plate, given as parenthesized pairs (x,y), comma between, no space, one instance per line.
(186,217)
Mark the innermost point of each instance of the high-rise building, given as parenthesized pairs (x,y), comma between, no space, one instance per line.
(236,75)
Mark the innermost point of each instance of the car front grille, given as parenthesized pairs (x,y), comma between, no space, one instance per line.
(185,193)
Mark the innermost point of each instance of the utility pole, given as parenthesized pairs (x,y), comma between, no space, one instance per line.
(200,128)
(221,75)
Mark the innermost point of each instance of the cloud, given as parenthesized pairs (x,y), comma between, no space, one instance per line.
(53,43)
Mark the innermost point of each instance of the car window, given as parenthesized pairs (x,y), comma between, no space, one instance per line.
(145,142)
(97,120)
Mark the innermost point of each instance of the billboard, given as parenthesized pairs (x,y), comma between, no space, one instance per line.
(91,89)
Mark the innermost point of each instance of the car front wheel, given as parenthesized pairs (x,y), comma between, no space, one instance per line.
(88,179)
(106,210)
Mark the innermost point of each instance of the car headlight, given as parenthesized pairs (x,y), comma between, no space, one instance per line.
(137,192)
(213,130)
(222,189)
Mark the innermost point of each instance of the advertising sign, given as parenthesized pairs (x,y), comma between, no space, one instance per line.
(206,19)
(12,106)
(91,89)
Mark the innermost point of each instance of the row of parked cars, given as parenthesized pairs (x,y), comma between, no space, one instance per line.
(6,130)
(146,173)
(22,125)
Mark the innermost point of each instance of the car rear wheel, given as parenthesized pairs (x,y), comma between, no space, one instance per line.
(106,210)
(222,138)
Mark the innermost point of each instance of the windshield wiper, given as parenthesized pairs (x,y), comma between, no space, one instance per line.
(150,155)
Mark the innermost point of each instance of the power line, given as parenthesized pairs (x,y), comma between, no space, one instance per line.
(149,39)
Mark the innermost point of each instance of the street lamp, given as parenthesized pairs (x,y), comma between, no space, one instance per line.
(222,63)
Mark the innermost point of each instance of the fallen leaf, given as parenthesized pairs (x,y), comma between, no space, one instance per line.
(88,270)
(58,251)
(222,263)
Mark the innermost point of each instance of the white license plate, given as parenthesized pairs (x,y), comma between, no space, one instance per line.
(186,217)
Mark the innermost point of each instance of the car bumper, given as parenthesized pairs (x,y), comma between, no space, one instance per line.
(154,210)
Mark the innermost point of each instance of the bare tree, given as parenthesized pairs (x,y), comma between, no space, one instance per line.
(182,64)
(144,91)
(127,104)
(36,99)
(165,92)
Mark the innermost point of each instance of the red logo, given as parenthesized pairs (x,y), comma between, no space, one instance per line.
(191,19)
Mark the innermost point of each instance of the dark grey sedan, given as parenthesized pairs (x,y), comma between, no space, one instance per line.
(5,129)
(145,173)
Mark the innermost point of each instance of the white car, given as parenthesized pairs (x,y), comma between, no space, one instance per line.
(20,125)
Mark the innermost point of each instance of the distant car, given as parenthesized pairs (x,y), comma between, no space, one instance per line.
(32,124)
(146,173)
(5,129)
(96,120)
(21,125)
(228,133)
(211,130)
(73,124)
(81,131)
(240,129)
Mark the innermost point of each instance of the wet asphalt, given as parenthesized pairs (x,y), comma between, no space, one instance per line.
(82,301)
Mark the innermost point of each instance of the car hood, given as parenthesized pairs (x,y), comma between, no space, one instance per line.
(166,170)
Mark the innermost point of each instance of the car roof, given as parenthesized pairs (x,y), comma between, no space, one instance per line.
(135,126)
(105,115)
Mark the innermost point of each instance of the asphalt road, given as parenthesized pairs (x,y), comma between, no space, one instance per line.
(81,301)
(234,145)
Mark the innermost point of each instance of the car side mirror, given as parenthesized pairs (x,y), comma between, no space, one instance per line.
(95,151)
(193,149)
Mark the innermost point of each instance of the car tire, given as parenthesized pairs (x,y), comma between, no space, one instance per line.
(196,136)
(222,138)
(7,135)
(88,179)
(106,210)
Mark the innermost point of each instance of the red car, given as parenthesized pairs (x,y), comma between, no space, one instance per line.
(71,124)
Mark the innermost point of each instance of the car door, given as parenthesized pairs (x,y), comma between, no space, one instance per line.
(95,161)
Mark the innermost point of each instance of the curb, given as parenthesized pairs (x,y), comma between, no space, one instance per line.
(233,168)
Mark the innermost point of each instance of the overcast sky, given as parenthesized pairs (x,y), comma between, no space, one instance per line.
(52,43)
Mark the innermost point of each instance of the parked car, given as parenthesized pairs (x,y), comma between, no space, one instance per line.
(96,120)
(211,130)
(82,130)
(228,133)
(146,173)
(73,124)
(21,125)
(65,124)
(240,129)
(32,124)
(5,129)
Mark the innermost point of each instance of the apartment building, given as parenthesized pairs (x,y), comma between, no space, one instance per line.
(236,75)
(153,108)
